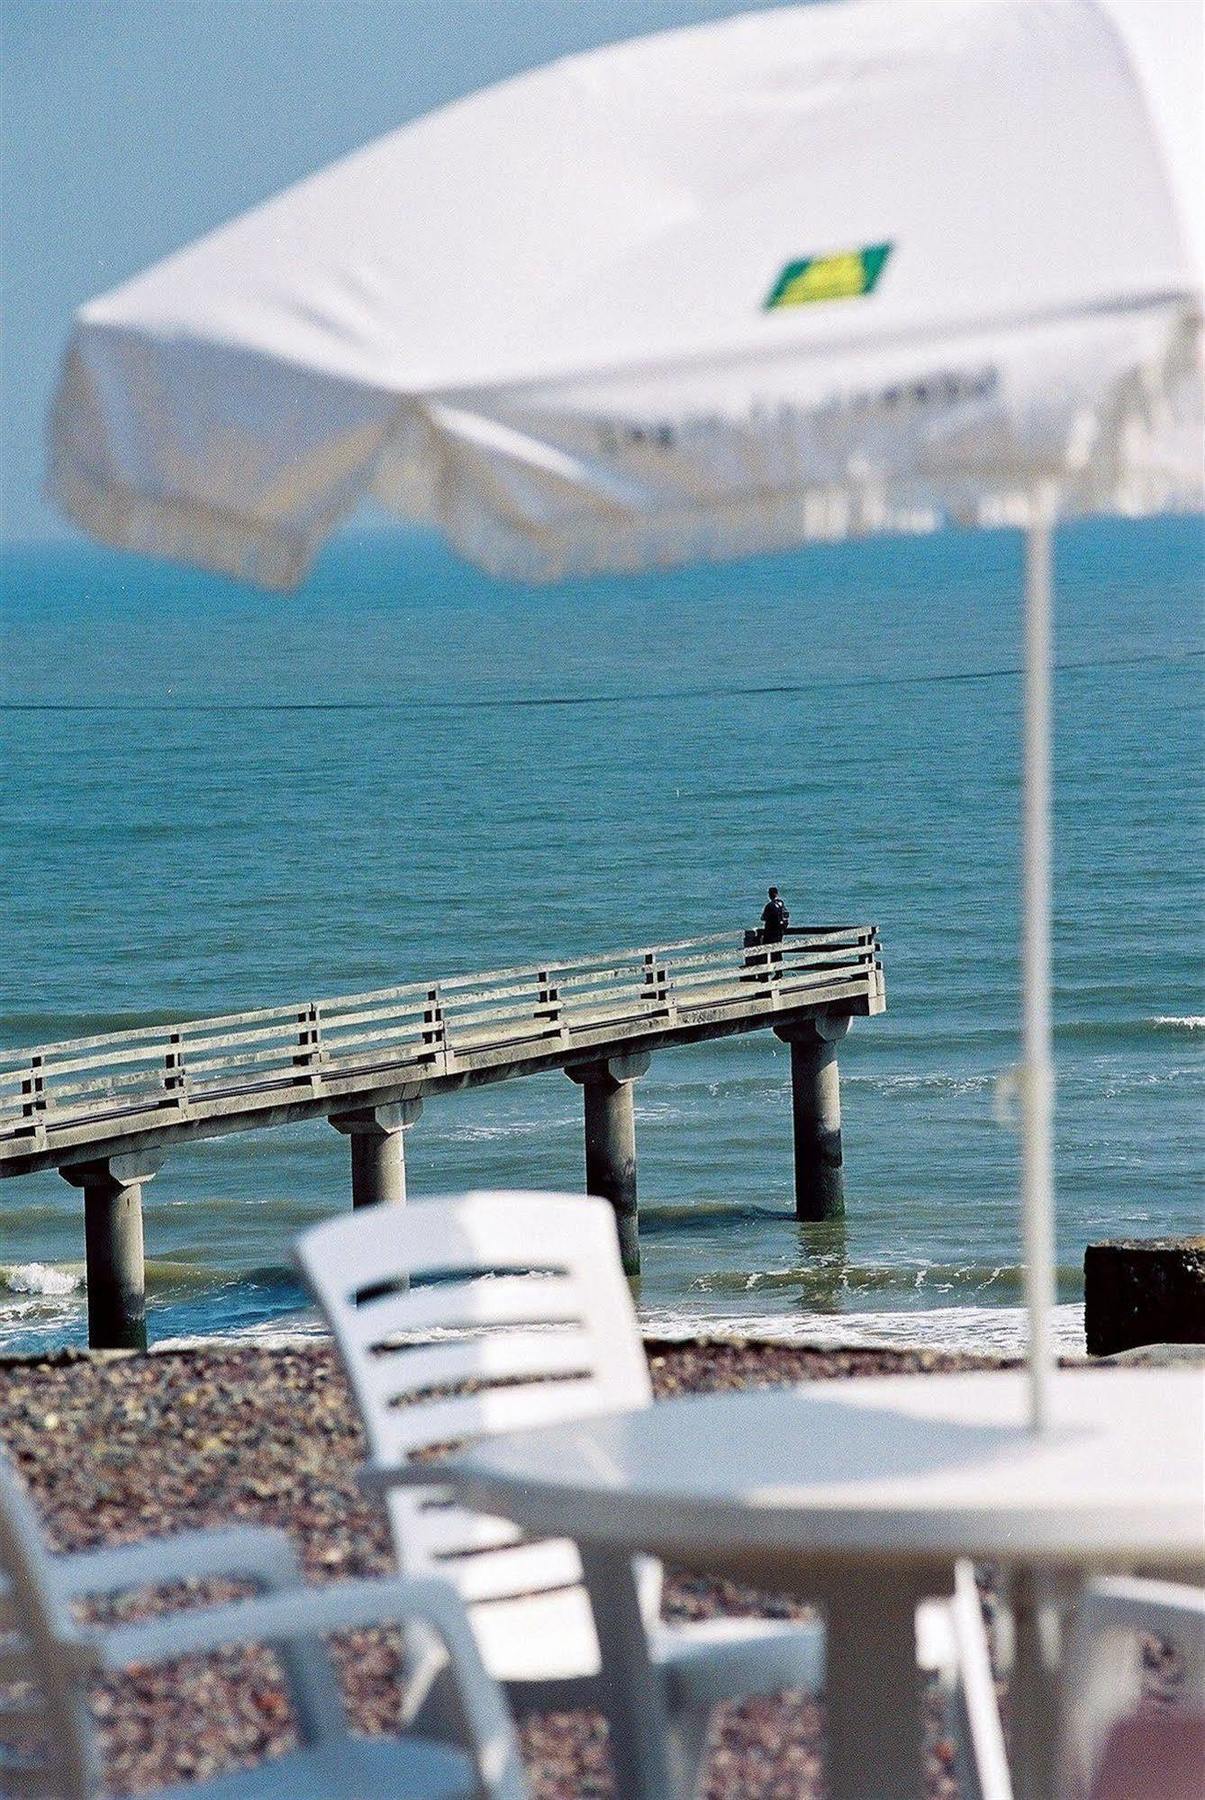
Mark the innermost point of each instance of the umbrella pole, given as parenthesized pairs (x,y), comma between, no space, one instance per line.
(1037,1070)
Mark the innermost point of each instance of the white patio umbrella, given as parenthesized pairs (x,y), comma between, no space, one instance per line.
(873,265)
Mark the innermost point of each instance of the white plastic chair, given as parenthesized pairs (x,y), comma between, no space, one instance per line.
(951,1640)
(1110,1743)
(494,1312)
(1113,1747)
(47,1741)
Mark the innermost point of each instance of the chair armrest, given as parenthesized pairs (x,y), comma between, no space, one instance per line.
(239,1552)
(378,1478)
(285,1617)
(258,1554)
(487,1719)
(81,1655)
(273,1618)
(977,1689)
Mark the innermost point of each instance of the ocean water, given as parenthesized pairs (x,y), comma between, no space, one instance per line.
(214,799)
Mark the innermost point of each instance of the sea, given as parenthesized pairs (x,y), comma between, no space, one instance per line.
(215,799)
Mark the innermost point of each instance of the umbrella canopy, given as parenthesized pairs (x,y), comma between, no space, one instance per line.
(865,266)
(822,270)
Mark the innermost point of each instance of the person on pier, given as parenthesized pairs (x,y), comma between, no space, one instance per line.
(774,918)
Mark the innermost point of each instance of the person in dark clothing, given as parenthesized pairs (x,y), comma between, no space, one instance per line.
(774,918)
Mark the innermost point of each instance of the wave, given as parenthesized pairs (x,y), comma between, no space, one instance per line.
(925,1081)
(499,1130)
(41,1307)
(983,1330)
(264,1334)
(40,1278)
(699,1214)
(830,1281)
(49,1317)
(987,1330)
(1126,1030)
(1096,1076)
(163,1278)
(25,1029)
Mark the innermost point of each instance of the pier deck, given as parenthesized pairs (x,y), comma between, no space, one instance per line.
(104,1110)
(133,1090)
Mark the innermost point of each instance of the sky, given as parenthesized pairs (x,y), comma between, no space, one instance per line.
(130,127)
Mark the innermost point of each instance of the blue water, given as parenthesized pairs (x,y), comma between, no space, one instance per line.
(214,799)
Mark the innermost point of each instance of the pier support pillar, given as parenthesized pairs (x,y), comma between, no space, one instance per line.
(378,1157)
(611,1143)
(113,1247)
(816,1110)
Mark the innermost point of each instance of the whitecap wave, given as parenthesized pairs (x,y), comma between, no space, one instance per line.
(1178,1021)
(931,1081)
(986,1330)
(290,1331)
(498,1130)
(39,1278)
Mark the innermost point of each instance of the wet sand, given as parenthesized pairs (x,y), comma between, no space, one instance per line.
(117,1448)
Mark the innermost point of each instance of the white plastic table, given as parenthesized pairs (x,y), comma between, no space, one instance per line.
(860,1495)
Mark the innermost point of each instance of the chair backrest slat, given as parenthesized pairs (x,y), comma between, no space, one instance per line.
(462,1317)
(514,1354)
(446,1533)
(450,1306)
(400,1431)
(535,1568)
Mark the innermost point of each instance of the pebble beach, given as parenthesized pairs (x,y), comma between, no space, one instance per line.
(117,1447)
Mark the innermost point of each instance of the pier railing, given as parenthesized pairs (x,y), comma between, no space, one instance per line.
(104,1111)
(427,1034)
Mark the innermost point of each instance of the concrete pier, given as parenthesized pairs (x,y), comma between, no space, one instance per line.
(113,1247)
(105,1110)
(816,1113)
(610,1132)
(378,1155)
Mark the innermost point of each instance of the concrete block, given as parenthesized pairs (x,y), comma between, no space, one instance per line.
(1144,1291)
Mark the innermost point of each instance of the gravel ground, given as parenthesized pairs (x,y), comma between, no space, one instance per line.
(117,1448)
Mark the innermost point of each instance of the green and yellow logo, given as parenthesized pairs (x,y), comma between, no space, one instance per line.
(843,276)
